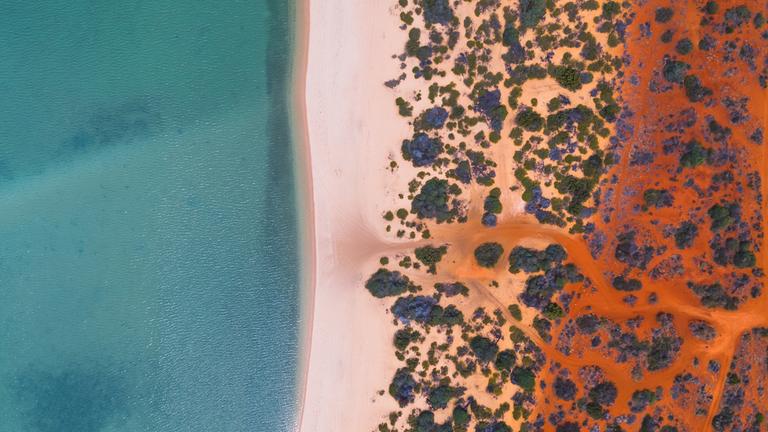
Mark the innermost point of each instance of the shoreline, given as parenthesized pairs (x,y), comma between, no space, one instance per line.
(304,201)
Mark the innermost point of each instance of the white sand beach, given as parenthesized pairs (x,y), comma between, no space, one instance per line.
(353,129)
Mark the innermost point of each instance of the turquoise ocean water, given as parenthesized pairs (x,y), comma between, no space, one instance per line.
(149,264)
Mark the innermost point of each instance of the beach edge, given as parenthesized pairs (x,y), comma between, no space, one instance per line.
(304,201)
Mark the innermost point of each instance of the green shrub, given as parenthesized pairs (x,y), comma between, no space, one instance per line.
(460,417)
(566,76)
(404,107)
(531,12)
(542,326)
(439,397)
(674,71)
(385,283)
(694,90)
(430,256)
(684,46)
(505,360)
(664,14)
(658,198)
(610,10)
(452,289)
(623,284)
(529,120)
(694,155)
(492,203)
(484,349)
(553,311)
(532,260)
(523,377)
(662,352)
(403,338)
(714,295)
(744,259)
(432,201)
(685,234)
(515,311)
(488,254)
(604,393)
(737,16)
(723,216)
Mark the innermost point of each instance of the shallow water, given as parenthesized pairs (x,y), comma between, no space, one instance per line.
(148,238)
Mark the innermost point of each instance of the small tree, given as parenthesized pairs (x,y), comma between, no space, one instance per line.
(439,397)
(403,387)
(565,389)
(488,254)
(485,349)
(386,283)
(505,360)
(524,378)
(685,234)
(664,14)
(430,256)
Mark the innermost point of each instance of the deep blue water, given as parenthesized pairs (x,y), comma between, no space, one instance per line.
(149,266)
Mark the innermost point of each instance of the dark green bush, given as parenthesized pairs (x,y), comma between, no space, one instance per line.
(662,352)
(694,90)
(674,71)
(685,234)
(714,295)
(543,327)
(492,203)
(505,360)
(694,155)
(604,393)
(460,416)
(439,397)
(452,289)
(448,316)
(532,260)
(386,283)
(610,10)
(529,120)
(568,77)
(488,254)
(588,324)
(430,256)
(553,311)
(403,387)
(684,46)
(664,14)
(531,12)
(723,215)
(658,198)
(432,201)
(623,284)
(737,16)
(641,399)
(565,389)
(523,377)
(403,337)
(744,259)
(484,349)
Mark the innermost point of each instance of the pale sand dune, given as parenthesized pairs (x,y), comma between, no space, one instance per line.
(353,128)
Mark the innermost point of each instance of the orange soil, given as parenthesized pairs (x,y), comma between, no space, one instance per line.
(673,296)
